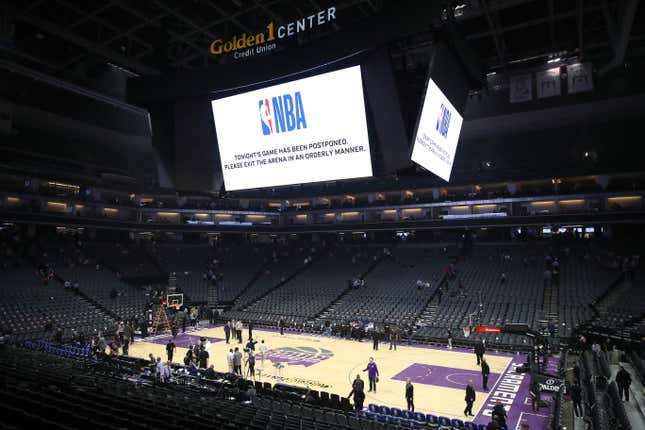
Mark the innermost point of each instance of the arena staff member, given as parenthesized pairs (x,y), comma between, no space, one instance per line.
(372,373)
(409,394)
(470,399)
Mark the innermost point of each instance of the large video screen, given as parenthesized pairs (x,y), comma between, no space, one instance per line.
(435,142)
(308,130)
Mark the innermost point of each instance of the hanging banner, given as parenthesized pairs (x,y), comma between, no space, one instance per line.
(579,78)
(521,89)
(548,83)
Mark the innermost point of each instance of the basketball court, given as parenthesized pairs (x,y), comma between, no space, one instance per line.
(330,364)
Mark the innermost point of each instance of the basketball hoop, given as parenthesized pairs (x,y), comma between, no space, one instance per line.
(467,331)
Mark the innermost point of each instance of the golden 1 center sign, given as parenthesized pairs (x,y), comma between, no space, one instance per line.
(247,45)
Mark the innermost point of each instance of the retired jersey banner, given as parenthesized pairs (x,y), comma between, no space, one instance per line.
(548,83)
(521,89)
(579,78)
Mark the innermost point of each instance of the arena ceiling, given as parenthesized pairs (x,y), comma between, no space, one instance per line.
(150,36)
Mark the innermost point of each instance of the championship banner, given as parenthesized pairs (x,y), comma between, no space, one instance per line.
(548,83)
(579,78)
(521,89)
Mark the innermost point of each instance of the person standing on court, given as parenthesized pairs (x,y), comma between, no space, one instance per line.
(499,413)
(170,349)
(263,351)
(250,330)
(358,391)
(449,333)
(375,339)
(480,349)
(470,399)
(238,331)
(409,394)
(485,373)
(237,361)
(250,362)
(623,380)
(227,332)
(372,373)
(230,361)
(281,326)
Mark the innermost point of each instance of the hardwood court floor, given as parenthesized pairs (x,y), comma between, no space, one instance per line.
(330,364)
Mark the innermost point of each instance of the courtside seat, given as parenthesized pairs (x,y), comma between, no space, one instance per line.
(432,419)
(381,418)
(419,416)
(384,410)
(408,415)
(457,423)
(372,407)
(396,412)
(470,425)
(445,421)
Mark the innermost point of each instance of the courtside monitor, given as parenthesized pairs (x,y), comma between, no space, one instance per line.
(437,134)
(309,130)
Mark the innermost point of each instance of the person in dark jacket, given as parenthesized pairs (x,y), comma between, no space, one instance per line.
(227,332)
(485,373)
(534,393)
(375,338)
(170,349)
(358,391)
(409,394)
(499,413)
(493,425)
(250,330)
(576,398)
(623,380)
(480,349)
(470,399)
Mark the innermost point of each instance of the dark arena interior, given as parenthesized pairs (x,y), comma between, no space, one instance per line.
(322,214)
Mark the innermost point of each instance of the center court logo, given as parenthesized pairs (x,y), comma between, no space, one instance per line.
(295,356)
(443,121)
(282,114)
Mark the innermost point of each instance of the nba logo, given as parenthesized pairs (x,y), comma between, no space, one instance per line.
(266,118)
(443,121)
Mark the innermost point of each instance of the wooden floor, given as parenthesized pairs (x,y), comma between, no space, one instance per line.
(330,364)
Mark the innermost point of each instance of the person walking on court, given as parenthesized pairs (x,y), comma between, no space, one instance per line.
(470,399)
(227,332)
(372,373)
(623,380)
(485,373)
(576,398)
(170,349)
(409,394)
(358,391)
(480,349)
(237,361)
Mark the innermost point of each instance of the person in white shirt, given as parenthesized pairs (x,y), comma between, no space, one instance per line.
(165,372)
(230,360)
(263,350)
(238,330)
